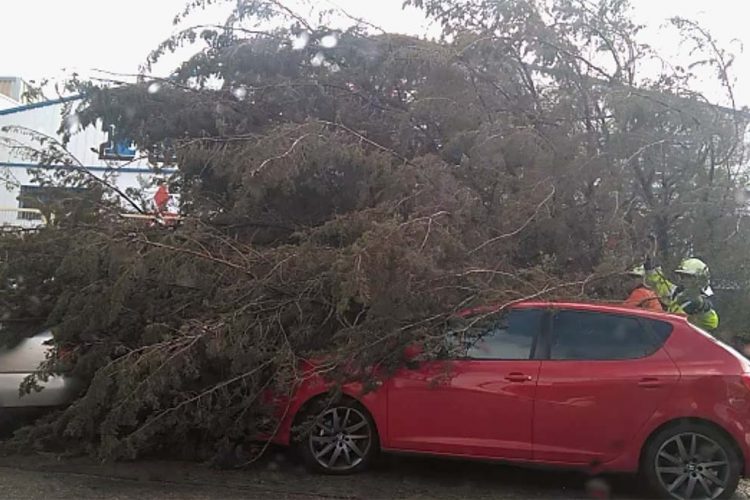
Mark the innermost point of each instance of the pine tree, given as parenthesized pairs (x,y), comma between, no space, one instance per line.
(346,192)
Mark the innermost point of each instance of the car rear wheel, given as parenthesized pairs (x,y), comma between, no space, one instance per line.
(692,461)
(341,439)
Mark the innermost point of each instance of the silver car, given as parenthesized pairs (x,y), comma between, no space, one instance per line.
(22,360)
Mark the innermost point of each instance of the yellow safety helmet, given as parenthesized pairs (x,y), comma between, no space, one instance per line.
(693,267)
(696,272)
(637,272)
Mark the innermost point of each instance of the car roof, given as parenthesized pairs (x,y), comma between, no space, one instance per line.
(600,307)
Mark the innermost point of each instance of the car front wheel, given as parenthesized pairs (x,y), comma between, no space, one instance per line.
(341,440)
(692,461)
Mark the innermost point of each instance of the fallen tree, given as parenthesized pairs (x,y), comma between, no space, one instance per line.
(346,192)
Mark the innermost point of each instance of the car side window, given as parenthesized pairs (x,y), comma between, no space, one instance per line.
(509,336)
(660,330)
(584,335)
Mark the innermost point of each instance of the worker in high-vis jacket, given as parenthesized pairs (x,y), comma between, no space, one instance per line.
(690,296)
(640,295)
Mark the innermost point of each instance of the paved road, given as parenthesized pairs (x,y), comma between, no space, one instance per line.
(45,477)
(24,484)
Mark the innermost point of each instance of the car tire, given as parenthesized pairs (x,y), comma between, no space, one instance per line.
(337,438)
(691,461)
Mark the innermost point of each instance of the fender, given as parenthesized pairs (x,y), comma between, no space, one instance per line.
(288,409)
(729,416)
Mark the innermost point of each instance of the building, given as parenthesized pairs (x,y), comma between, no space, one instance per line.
(98,151)
(13,90)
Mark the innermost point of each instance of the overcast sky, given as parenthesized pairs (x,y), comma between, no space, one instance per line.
(40,37)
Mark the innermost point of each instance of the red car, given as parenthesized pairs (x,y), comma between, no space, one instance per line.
(595,387)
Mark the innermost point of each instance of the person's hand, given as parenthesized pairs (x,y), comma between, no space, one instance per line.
(696,305)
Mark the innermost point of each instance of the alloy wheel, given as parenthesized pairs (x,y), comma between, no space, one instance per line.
(692,466)
(340,439)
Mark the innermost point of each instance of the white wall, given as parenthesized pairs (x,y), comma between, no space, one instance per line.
(6,102)
(21,177)
(46,118)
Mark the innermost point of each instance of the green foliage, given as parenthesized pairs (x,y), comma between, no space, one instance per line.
(344,201)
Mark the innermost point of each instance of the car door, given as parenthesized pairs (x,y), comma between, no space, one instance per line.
(477,403)
(605,377)
(20,361)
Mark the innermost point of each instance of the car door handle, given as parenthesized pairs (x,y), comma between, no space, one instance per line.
(650,383)
(517,377)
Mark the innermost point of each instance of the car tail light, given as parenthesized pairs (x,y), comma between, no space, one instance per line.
(746,380)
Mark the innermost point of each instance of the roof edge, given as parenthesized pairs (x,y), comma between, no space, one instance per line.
(42,104)
(93,168)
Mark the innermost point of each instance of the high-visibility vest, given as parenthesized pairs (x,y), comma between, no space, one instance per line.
(678,302)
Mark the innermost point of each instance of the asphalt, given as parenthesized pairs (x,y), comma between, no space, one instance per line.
(48,477)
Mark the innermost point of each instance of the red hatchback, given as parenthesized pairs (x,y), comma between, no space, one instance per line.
(601,388)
